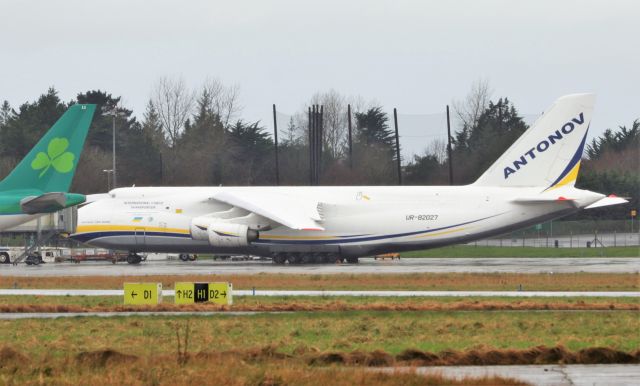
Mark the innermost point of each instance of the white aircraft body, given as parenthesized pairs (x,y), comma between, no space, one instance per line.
(532,182)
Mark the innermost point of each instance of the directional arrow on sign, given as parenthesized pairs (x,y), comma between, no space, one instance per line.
(133,294)
(179,293)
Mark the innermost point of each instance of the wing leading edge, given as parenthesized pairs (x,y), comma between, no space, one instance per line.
(281,208)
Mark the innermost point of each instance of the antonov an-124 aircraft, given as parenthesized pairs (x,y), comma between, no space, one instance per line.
(532,182)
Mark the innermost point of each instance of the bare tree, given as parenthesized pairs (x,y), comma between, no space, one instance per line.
(474,104)
(223,100)
(334,120)
(174,103)
(437,148)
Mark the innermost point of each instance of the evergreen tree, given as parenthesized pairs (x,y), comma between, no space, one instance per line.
(477,148)
(152,127)
(373,148)
(614,142)
(21,132)
(6,114)
(249,152)
(612,165)
(372,129)
(200,148)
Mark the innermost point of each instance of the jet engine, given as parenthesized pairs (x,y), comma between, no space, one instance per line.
(222,234)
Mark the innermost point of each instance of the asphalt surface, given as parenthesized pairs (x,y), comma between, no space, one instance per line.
(82,292)
(367,265)
(545,375)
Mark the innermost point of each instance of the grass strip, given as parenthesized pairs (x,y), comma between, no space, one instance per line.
(414,281)
(391,331)
(489,251)
(319,304)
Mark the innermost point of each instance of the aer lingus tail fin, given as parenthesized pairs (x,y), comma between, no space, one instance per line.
(51,164)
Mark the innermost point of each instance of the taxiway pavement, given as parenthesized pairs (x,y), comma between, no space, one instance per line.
(312,293)
(366,265)
(544,375)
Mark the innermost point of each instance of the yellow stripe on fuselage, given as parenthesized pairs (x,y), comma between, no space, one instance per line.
(121,228)
(280,237)
(439,233)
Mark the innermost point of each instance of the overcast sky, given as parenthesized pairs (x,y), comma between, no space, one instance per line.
(414,55)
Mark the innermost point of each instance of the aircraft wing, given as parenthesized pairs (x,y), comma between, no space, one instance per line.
(282,208)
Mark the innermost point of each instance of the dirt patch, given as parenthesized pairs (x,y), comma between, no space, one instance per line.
(411,355)
(379,358)
(102,358)
(10,356)
(328,358)
(599,355)
(414,357)
(535,355)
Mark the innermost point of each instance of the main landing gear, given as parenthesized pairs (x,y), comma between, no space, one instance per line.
(311,258)
(133,258)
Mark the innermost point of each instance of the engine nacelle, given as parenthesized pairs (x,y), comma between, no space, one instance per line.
(230,235)
(222,234)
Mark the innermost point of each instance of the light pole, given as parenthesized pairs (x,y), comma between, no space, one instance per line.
(114,112)
(108,171)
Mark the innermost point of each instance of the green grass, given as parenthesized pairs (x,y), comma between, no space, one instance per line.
(485,251)
(345,331)
(245,301)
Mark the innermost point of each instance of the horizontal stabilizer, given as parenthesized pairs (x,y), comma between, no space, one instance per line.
(610,200)
(541,199)
(97,197)
(281,208)
(45,203)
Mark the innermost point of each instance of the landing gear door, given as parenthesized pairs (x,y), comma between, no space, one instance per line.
(140,236)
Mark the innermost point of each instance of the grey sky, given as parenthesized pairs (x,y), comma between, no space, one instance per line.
(414,55)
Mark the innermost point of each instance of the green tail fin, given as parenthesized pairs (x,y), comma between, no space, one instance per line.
(51,164)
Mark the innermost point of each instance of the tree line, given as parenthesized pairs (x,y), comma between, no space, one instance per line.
(198,138)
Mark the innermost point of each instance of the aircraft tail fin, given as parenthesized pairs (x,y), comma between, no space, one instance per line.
(51,164)
(548,154)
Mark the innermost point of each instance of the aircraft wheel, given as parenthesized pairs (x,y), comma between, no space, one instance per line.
(352,260)
(294,258)
(134,258)
(328,258)
(184,256)
(333,258)
(4,258)
(279,258)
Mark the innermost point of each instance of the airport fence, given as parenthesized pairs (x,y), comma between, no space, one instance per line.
(571,234)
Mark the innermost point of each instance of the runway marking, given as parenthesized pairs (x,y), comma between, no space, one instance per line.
(526,294)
